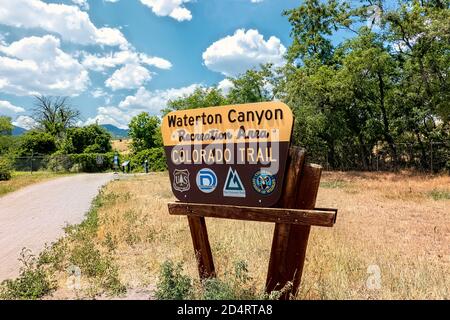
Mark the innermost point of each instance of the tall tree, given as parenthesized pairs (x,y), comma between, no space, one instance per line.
(200,98)
(252,86)
(144,130)
(419,32)
(54,115)
(313,23)
(6,128)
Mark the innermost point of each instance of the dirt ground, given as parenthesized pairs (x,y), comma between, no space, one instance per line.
(123,146)
(394,227)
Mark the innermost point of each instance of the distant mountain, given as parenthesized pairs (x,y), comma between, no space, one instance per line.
(17,131)
(115,132)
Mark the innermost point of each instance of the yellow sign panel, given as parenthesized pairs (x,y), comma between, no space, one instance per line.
(233,123)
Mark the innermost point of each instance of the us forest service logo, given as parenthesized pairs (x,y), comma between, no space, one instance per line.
(206,180)
(181,180)
(263,182)
(233,185)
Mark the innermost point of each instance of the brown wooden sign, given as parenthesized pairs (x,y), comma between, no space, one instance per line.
(293,215)
(230,155)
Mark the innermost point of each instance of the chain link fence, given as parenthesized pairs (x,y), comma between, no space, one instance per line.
(431,157)
(30,163)
(63,162)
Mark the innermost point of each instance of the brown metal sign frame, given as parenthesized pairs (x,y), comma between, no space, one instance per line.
(293,216)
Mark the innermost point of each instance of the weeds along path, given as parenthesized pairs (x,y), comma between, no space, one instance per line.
(36,215)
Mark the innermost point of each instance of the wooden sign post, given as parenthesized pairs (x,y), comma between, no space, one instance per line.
(286,198)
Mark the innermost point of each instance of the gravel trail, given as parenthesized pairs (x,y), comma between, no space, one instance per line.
(37,214)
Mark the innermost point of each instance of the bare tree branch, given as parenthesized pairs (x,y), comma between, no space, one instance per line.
(54,114)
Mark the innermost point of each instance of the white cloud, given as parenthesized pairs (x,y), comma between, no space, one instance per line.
(256,1)
(8,109)
(110,60)
(114,59)
(172,8)
(71,23)
(111,115)
(243,50)
(155,61)
(154,101)
(130,76)
(37,65)
(98,93)
(83,4)
(225,85)
(25,122)
(143,101)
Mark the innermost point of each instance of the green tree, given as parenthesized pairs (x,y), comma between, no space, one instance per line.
(252,86)
(88,139)
(374,90)
(6,139)
(313,23)
(144,130)
(37,142)
(200,98)
(420,35)
(368,78)
(6,126)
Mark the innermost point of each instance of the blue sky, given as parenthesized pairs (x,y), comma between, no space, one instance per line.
(116,58)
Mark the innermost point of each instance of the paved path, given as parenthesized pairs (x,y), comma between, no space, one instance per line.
(36,215)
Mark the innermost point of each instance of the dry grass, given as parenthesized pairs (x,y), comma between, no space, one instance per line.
(388,220)
(23,179)
(123,146)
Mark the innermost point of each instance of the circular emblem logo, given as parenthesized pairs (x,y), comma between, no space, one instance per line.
(206,180)
(263,182)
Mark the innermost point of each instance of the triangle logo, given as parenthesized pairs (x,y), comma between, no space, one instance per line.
(233,185)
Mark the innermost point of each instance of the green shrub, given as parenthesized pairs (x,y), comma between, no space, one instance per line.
(79,249)
(216,289)
(96,265)
(334,184)
(84,162)
(437,194)
(236,285)
(37,142)
(172,284)
(5,169)
(59,162)
(89,139)
(31,284)
(89,161)
(156,160)
(89,259)
(54,255)
(233,286)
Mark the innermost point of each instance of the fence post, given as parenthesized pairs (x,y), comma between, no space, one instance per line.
(31,161)
(431,157)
